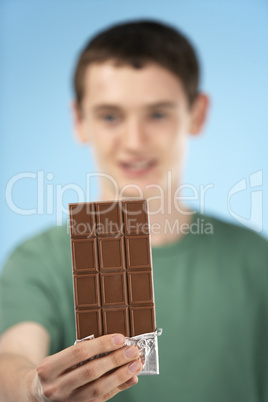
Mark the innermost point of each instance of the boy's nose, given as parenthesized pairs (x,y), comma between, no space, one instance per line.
(133,136)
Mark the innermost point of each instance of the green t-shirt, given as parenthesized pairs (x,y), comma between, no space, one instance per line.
(211,301)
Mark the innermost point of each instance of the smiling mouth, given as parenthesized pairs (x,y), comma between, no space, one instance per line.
(137,167)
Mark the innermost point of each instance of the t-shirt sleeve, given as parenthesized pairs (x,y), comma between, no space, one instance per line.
(27,289)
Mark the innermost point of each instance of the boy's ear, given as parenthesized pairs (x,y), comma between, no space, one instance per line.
(80,131)
(199,113)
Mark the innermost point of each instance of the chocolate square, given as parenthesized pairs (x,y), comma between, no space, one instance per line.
(82,220)
(88,322)
(142,320)
(138,252)
(136,217)
(114,289)
(111,253)
(140,287)
(109,219)
(85,257)
(116,320)
(86,290)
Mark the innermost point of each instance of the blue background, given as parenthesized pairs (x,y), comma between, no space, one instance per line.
(40,41)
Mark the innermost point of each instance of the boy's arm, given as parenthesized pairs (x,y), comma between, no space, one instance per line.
(26,374)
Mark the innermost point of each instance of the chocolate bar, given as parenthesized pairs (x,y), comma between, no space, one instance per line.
(112,268)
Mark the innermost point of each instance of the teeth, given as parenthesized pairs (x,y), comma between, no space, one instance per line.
(138,165)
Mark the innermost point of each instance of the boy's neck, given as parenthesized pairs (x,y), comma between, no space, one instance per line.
(168,222)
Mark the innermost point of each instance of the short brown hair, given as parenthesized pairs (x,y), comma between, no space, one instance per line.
(136,43)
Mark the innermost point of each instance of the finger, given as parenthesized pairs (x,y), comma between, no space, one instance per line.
(96,368)
(109,384)
(52,366)
(134,380)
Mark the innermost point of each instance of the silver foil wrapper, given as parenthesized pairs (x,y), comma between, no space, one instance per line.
(148,346)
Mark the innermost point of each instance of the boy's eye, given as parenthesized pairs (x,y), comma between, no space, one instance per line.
(158,115)
(109,117)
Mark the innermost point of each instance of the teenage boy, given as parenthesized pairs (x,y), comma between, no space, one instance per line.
(137,100)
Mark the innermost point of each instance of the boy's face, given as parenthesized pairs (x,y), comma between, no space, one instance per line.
(137,122)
